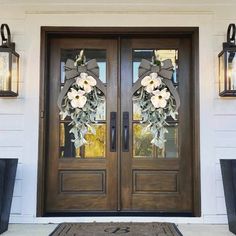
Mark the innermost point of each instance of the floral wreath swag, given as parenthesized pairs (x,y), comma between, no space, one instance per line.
(84,92)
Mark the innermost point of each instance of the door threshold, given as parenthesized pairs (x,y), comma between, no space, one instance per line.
(117,214)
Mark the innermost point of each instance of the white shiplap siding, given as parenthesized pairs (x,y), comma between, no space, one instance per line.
(19,116)
(12,112)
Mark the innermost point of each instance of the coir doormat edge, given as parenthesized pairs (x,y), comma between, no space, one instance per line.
(64,229)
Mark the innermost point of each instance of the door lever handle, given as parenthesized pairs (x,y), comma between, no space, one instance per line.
(113,131)
(125,131)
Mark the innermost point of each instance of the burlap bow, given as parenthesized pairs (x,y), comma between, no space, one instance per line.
(90,67)
(72,71)
(164,70)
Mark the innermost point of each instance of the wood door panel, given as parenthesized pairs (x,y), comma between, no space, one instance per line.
(158,184)
(80,184)
(80,203)
(160,203)
(154,181)
(83,182)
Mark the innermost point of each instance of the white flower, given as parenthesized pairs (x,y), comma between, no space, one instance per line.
(151,82)
(86,82)
(77,98)
(160,98)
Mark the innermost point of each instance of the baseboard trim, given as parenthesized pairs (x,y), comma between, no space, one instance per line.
(206,219)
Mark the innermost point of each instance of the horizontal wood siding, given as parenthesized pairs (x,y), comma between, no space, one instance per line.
(19,116)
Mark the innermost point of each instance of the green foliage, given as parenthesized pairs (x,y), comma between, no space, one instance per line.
(142,139)
(155,118)
(82,118)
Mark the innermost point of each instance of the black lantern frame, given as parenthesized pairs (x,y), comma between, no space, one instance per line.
(9,65)
(227,65)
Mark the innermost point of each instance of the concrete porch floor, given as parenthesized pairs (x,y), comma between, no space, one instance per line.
(186,230)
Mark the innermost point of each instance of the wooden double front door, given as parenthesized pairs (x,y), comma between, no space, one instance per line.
(119,170)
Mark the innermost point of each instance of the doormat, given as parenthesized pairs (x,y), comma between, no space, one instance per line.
(126,229)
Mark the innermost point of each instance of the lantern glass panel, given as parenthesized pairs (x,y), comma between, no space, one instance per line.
(4,72)
(231,70)
(14,73)
(222,72)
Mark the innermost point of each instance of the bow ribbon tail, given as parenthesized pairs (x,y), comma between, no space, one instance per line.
(71,74)
(142,72)
(64,91)
(144,67)
(94,72)
(167,64)
(70,69)
(167,74)
(101,86)
(92,68)
(173,91)
(70,64)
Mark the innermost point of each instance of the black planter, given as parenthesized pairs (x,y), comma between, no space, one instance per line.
(7,180)
(228,169)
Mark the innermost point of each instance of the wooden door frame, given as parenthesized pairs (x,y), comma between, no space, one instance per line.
(59,32)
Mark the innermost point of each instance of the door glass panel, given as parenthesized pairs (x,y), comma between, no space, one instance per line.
(101,112)
(98,54)
(136,111)
(95,148)
(142,146)
(67,148)
(173,55)
(139,54)
(170,149)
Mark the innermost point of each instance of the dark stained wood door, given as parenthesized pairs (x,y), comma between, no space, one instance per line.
(134,178)
(155,180)
(83,179)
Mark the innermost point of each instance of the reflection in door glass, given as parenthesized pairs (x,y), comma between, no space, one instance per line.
(67,148)
(142,147)
(136,111)
(139,54)
(170,149)
(101,112)
(95,148)
(98,54)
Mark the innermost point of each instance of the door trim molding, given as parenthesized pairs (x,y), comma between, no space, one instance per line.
(49,32)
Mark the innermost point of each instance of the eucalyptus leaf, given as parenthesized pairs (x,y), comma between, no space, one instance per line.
(82,118)
(155,118)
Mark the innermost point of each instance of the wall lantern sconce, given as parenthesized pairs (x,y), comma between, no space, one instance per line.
(227,65)
(9,65)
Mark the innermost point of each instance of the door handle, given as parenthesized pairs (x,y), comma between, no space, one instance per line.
(125,131)
(113,131)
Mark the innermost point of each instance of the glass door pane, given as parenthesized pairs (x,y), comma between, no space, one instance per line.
(96,143)
(142,147)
